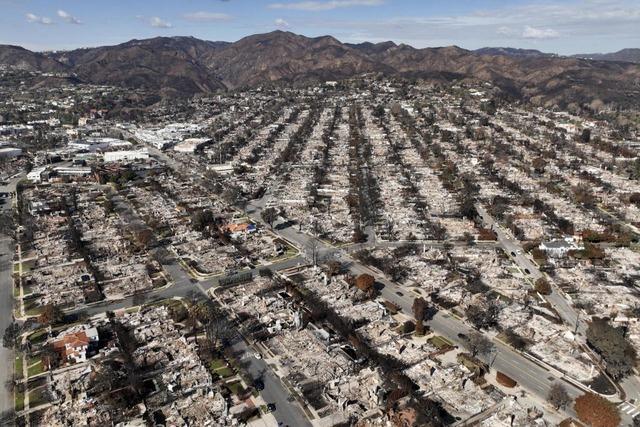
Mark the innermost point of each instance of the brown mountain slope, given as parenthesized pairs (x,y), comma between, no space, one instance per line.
(289,57)
(185,65)
(624,55)
(167,64)
(20,58)
(546,79)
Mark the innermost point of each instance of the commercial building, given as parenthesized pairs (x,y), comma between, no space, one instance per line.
(98,144)
(10,152)
(190,145)
(126,156)
(36,174)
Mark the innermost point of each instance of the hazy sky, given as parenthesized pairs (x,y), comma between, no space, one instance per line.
(565,27)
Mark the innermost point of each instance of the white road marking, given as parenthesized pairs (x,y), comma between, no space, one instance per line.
(629,409)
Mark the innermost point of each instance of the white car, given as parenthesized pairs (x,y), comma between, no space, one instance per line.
(257,355)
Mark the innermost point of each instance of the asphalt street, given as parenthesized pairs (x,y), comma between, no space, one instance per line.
(7,249)
(274,392)
(530,375)
(571,317)
(514,249)
(287,412)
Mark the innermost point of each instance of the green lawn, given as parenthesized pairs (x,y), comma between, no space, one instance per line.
(169,303)
(36,311)
(290,252)
(440,342)
(27,266)
(38,336)
(217,364)
(18,367)
(35,367)
(236,388)
(37,397)
(19,401)
(224,372)
(31,307)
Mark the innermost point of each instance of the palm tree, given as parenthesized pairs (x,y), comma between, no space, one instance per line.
(199,313)
(419,308)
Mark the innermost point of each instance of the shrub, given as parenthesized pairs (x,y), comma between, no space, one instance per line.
(610,342)
(365,283)
(558,396)
(596,411)
(505,380)
(408,327)
(486,234)
(265,272)
(515,340)
(391,307)
(542,286)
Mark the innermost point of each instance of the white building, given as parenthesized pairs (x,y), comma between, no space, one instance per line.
(560,247)
(10,152)
(72,171)
(190,145)
(36,174)
(126,156)
(98,143)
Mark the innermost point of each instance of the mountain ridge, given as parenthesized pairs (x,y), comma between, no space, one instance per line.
(187,65)
(623,55)
(511,51)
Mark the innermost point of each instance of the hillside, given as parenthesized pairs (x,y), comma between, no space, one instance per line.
(624,55)
(513,52)
(186,65)
(23,59)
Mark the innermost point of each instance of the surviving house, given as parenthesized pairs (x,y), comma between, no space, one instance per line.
(558,248)
(73,347)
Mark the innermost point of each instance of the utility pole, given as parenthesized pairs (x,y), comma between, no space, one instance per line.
(495,356)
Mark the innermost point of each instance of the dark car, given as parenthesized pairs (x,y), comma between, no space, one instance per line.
(271,407)
(284,225)
(259,385)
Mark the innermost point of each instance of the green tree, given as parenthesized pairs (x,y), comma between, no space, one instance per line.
(11,337)
(269,215)
(483,315)
(558,396)
(610,342)
(542,286)
(419,311)
(51,314)
(477,343)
